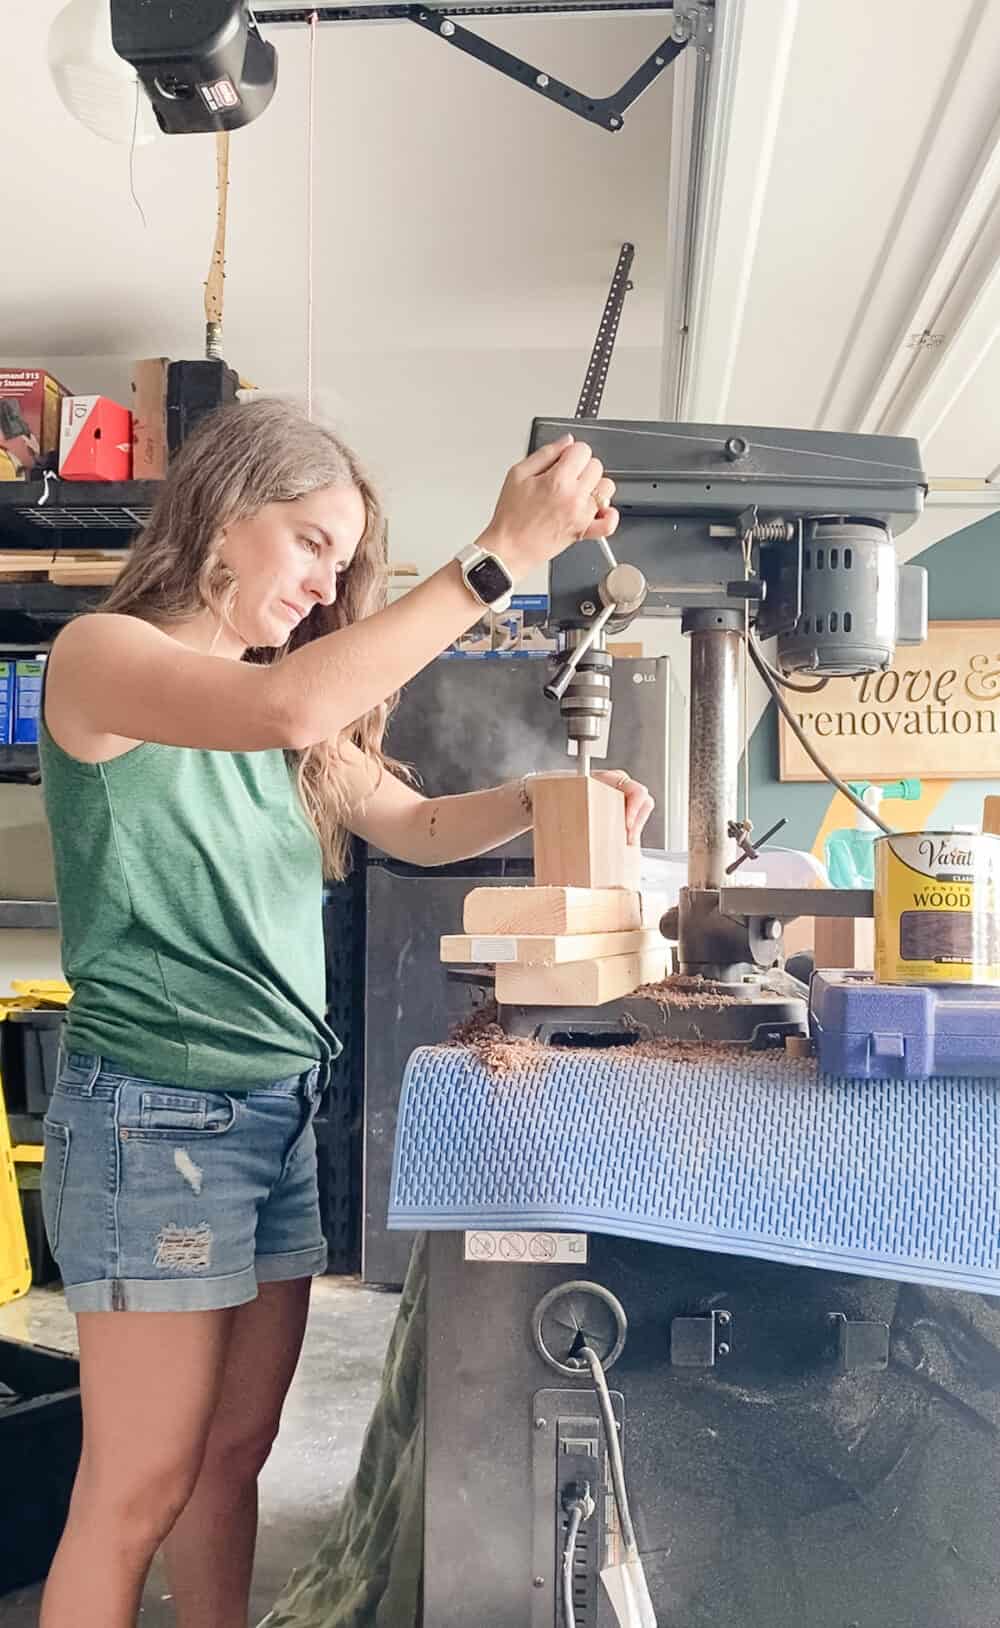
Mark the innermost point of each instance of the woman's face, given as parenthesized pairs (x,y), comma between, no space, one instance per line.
(289,557)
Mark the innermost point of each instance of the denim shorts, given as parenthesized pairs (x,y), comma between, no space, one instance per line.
(162,1198)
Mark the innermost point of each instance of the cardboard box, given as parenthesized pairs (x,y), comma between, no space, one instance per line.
(149,418)
(6,701)
(519,631)
(27,701)
(30,402)
(95,442)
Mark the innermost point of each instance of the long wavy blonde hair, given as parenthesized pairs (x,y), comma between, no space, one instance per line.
(237,461)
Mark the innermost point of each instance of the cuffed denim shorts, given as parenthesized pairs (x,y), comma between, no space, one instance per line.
(162,1198)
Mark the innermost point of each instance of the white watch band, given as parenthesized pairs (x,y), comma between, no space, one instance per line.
(468,558)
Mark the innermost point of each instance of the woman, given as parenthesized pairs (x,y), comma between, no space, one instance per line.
(209,743)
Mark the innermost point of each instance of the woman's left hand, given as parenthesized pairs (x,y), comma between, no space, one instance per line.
(639,804)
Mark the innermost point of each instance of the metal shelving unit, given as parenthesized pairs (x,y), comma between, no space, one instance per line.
(17,762)
(63,513)
(50,515)
(28,913)
(47,602)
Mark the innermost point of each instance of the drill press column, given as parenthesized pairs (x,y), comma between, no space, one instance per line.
(713,754)
(711,945)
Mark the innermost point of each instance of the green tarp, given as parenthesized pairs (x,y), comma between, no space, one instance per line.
(367,1571)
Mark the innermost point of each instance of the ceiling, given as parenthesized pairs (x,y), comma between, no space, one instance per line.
(844,271)
(847,266)
(453,208)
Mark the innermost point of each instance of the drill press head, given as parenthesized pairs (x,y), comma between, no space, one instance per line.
(796,524)
(745,534)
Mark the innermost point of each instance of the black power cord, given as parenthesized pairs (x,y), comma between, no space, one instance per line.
(579,1506)
(617,1463)
(763,667)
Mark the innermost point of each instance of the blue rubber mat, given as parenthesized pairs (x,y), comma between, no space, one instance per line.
(897,1179)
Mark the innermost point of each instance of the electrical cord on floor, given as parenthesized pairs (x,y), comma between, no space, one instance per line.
(580,1506)
(764,669)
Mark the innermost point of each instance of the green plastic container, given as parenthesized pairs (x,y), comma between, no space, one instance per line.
(850,852)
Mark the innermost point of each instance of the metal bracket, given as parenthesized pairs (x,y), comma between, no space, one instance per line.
(608,112)
(694,23)
(697,1342)
(787,903)
(861,1347)
(394,11)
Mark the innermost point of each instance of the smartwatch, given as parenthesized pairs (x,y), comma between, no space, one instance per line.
(486,576)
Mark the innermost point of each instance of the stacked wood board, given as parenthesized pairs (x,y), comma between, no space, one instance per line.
(585,934)
(83,568)
(71,568)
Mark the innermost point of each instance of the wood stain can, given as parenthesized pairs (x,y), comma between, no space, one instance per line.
(936,908)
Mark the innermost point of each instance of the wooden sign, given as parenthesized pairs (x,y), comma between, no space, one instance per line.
(934,714)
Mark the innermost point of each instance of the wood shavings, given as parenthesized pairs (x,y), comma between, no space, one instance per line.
(687,993)
(498,1052)
(509,1056)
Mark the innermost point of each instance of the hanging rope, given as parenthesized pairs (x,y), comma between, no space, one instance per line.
(310,211)
(215,281)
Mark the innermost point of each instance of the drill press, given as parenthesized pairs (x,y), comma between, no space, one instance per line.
(746,534)
(791,1275)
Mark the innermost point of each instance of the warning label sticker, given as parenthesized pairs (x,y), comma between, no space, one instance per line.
(527,1248)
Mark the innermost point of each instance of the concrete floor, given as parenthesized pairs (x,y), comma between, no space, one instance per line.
(315,1455)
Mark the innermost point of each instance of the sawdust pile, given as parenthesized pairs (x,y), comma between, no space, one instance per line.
(510,1056)
(687,993)
(496,1051)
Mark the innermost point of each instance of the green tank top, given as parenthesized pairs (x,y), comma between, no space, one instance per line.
(190,903)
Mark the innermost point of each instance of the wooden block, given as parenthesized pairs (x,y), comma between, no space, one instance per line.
(22,566)
(552,910)
(623,651)
(654,905)
(844,941)
(545,950)
(579,832)
(580,983)
(799,937)
(632,868)
(86,573)
(991,816)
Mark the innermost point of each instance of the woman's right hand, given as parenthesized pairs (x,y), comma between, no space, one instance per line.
(549,500)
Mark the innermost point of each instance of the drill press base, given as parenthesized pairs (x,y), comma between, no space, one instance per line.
(693,1010)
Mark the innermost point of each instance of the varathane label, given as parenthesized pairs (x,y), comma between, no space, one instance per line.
(937,895)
